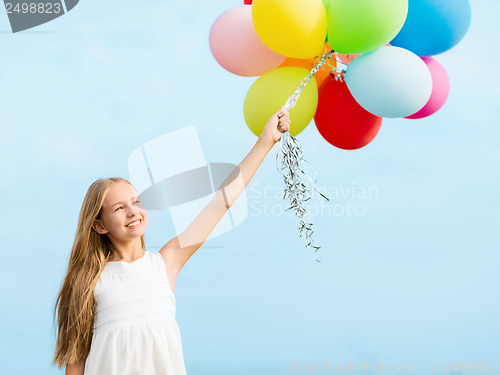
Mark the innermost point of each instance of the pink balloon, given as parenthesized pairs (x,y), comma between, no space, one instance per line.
(237,47)
(440,89)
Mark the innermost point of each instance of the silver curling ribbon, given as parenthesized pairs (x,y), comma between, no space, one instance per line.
(291,165)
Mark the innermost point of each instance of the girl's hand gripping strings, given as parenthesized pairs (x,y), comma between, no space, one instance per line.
(276,125)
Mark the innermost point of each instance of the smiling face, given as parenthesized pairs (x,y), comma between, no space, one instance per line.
(122,218)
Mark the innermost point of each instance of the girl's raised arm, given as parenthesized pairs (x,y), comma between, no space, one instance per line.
(179,249)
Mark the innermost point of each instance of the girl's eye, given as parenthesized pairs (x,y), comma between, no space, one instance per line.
(136,201)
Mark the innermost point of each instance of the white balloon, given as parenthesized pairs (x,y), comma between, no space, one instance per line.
(389,82)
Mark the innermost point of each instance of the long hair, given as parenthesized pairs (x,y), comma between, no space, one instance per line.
(75,301)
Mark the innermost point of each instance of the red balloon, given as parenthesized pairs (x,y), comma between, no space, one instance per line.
(340,120)
(248,2)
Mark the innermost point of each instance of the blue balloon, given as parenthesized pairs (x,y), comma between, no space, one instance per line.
(433,26)
(389,82)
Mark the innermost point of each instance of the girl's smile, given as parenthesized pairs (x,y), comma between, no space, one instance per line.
(134,224)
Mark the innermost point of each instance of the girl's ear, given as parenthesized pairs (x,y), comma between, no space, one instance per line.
(98,227)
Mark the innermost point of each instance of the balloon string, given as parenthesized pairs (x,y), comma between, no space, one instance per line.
(292,159)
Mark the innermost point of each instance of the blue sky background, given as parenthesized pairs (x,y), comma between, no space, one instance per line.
(413,280)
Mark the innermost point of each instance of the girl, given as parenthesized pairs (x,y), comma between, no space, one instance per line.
(116,306)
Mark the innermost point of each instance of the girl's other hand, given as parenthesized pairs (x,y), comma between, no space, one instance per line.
(276,126)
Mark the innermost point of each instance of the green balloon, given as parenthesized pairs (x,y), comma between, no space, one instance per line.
(360,26)
(326,3)
(271,91)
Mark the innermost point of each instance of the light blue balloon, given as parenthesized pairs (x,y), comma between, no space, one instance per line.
(389,82)
(433,26)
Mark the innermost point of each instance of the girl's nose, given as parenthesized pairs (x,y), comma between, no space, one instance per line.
(133,210)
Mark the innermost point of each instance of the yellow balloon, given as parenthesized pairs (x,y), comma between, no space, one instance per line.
(293,28)
(271,91)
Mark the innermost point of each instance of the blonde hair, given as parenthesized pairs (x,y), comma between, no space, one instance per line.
(75,301)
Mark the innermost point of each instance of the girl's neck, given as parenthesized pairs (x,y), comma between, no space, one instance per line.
(128,252)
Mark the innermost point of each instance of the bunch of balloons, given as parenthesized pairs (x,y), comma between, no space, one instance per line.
(382,66)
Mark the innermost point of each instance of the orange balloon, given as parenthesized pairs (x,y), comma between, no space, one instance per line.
(308,64)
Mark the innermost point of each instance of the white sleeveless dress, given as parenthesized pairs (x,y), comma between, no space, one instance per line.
(135,331)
